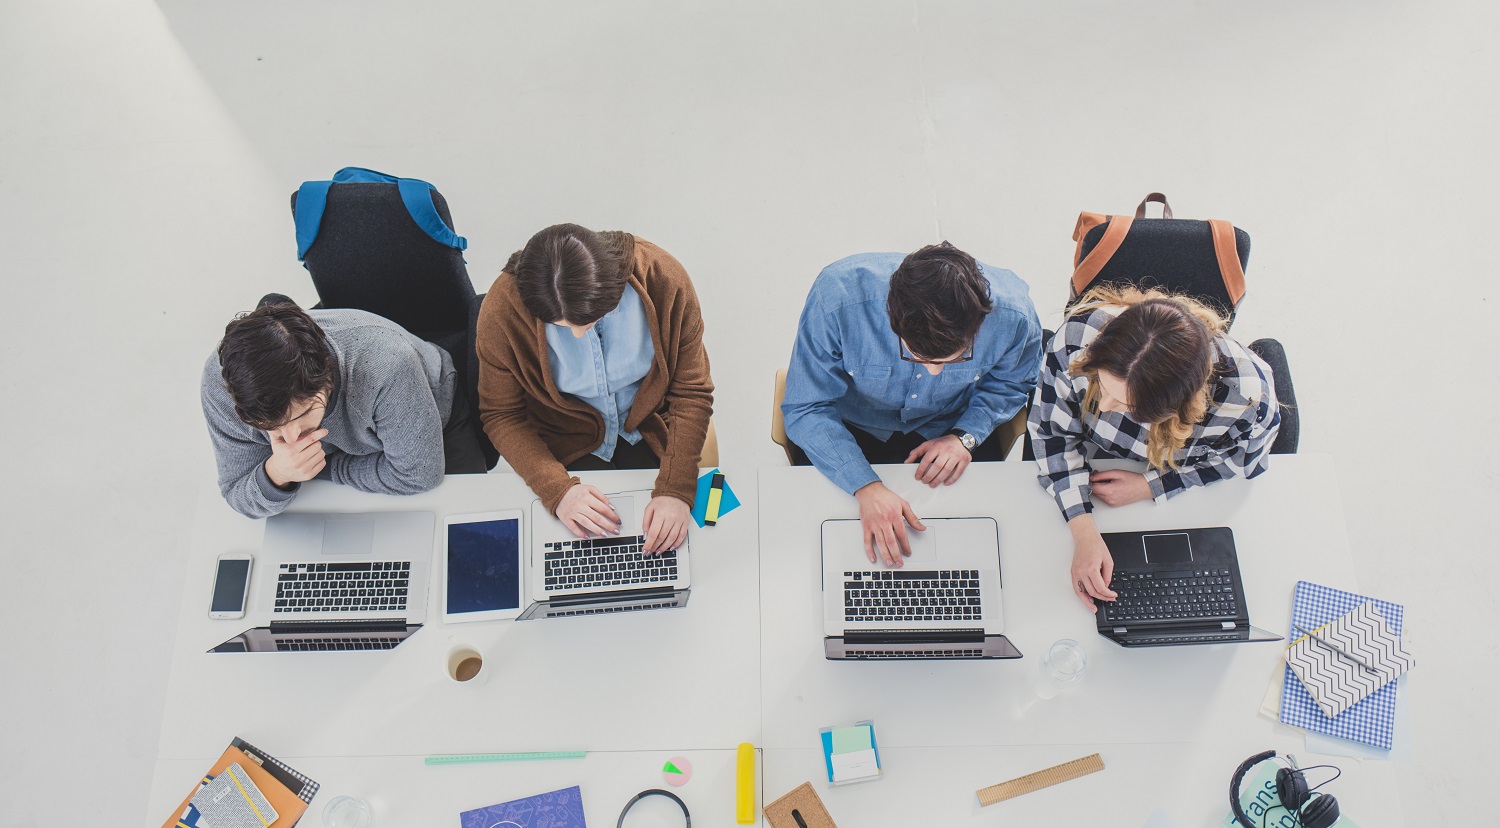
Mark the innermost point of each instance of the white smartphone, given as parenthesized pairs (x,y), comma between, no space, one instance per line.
(231,586)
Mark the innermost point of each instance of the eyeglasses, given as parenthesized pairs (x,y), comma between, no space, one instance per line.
(908,356)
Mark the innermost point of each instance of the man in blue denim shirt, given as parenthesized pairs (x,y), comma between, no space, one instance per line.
(902,360)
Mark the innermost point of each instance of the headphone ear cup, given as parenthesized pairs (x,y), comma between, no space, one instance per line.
(1291,789)
(1321,812)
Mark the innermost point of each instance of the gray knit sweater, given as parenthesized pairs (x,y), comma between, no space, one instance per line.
(385,422)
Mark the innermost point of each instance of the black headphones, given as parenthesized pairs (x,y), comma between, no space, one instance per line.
(1309,808)
(687,818)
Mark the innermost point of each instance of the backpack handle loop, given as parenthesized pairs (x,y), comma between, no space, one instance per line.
(1166,209)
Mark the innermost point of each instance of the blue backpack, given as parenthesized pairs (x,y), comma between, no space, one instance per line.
(312,198)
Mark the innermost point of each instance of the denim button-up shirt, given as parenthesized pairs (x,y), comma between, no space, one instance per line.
(847,367)
(605,366)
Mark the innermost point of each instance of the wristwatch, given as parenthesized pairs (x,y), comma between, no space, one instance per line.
(965,438)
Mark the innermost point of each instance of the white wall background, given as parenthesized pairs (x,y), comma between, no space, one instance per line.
(147,151)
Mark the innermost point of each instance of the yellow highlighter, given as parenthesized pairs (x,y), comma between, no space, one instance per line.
(715,497)
(744,785)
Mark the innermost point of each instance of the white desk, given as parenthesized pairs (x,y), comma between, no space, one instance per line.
(672,680)
(1288,526)
(1171,723)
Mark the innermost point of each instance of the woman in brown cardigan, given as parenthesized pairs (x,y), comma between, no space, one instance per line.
(590,357)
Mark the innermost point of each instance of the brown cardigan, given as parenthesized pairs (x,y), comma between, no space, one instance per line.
(539,429)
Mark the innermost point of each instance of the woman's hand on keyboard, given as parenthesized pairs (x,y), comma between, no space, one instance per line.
(587,513)
(666,520)
(1093,566)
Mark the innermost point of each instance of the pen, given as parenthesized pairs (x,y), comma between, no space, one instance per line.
(1337,649)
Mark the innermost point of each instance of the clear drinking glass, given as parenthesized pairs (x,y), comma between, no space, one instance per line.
(1062,667)
(347,812)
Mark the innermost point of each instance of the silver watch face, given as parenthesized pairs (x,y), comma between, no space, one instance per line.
(968,441)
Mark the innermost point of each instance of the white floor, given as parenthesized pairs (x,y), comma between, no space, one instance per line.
(147,151)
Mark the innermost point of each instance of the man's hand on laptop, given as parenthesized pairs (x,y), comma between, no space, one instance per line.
(943,460)
(666,520)
(587,512)
(297,461)
(1093,566)
(883,517)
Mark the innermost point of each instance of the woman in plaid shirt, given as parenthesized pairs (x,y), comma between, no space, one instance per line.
(1140,375)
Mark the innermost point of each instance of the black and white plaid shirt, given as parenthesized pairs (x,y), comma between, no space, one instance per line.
(1233,439)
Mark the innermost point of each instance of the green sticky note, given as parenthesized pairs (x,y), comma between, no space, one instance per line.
(851,739)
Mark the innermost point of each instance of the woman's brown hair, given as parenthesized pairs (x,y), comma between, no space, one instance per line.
(567,273)
(1162,347)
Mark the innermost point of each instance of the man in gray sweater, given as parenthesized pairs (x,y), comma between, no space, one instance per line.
(342,395)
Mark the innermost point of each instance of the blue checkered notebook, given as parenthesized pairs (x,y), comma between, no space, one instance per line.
(1372,720)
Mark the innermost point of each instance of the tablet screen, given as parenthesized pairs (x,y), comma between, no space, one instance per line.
(484,566)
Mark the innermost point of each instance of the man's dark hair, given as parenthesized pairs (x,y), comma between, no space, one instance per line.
(567,273)
(938,299)
(272,358)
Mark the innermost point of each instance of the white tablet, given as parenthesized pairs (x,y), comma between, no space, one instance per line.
(484,576)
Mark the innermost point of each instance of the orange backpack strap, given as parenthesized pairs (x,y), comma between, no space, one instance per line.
(1114,232)
(1229,259)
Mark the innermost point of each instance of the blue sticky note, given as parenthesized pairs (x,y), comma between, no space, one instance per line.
(727,501)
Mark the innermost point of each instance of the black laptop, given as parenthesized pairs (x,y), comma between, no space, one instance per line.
(1176,586)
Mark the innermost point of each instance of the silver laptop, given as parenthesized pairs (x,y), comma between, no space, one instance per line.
(945,602)
(340,581)
(570,576)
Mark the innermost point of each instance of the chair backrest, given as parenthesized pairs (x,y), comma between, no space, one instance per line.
(1202,259)
(469,376)
(778,425)
(371,255)
(1290,433)
(710,457)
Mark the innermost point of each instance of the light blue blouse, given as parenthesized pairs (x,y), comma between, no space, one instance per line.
(605,366)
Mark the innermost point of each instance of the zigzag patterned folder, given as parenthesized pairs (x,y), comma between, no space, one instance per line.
(1337,682)
(1371,719)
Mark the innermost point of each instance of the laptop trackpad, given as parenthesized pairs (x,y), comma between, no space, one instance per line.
(348,537)
(624,506)
(924,545)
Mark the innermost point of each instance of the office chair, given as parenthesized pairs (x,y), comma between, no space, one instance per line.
(710,457)
(1179,257)
(370,255)
(778,425)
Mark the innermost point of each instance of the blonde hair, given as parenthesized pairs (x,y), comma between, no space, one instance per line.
(1161,345)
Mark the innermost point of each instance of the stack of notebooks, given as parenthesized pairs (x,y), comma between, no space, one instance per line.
(246,787)
(1341,679)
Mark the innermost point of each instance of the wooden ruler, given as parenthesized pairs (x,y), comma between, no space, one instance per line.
(1033,782)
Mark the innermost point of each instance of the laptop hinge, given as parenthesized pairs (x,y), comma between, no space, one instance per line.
(1120,631)
(913,636)
(352,625)
(1227,625)
(622,595)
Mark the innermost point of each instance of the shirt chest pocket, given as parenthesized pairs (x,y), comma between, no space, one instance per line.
(875,384)
(953,387)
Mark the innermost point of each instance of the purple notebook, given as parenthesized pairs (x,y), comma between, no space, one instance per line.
(558,809)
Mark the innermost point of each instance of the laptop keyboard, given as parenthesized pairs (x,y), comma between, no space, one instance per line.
(905,595)
(1158,596)
(589,563)
(309,645)
(363,586)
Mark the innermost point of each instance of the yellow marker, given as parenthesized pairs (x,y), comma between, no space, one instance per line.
(715,495)
(744,786)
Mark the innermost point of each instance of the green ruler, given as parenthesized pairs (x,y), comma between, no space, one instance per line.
(470,758)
